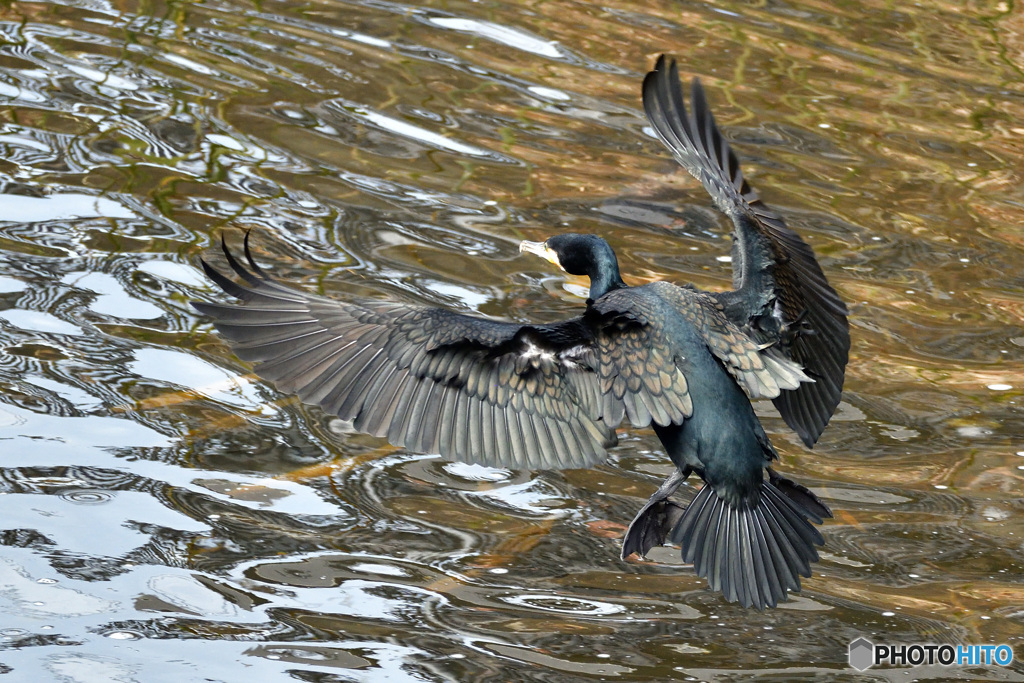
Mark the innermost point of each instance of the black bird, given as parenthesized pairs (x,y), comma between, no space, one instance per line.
(681,360)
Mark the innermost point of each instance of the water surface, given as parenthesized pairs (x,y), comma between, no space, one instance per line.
(166,516)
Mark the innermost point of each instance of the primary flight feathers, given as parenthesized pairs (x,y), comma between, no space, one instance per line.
(478,390)
(775,273)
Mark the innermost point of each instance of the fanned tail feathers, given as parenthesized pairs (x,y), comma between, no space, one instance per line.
(753,553)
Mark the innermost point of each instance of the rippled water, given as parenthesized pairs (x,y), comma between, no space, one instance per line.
(165,516)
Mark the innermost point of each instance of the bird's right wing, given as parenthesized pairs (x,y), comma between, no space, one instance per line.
(781,294)
(437,381)
(759,369)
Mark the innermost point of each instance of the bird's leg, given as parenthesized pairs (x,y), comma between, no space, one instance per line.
(656,519)
(669,486)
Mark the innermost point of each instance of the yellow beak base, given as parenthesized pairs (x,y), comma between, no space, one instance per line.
(540,249)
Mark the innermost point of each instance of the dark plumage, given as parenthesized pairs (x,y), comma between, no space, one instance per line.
(780,294)
(683,361)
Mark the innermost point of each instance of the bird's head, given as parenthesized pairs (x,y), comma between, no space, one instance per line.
(579,254)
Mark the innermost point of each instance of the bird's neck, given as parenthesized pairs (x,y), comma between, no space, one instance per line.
(605,282)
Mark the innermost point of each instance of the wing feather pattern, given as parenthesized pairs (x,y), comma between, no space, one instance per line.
(432,380)
(781,295)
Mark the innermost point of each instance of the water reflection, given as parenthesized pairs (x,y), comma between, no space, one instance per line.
(165,514)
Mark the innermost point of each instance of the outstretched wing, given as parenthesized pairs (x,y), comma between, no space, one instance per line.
(781,294)
(759,370)
(431,380)
(636,362)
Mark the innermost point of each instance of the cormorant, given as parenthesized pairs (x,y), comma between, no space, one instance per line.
(684,361)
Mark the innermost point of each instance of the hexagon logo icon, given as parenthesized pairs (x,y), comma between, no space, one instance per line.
(862,654)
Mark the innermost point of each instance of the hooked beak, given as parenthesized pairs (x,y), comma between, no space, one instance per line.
(540,249)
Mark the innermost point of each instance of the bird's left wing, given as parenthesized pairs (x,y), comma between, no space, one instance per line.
(637,363)
(431,380)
